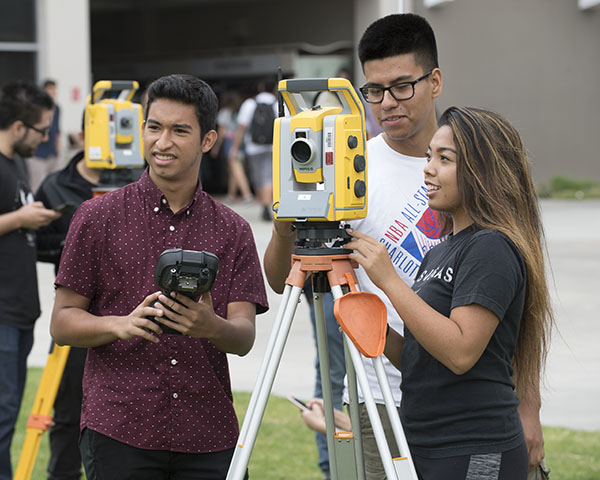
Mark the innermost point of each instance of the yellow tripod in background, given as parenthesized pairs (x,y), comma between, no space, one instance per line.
(40,419)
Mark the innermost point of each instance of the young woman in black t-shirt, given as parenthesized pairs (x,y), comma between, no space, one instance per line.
(479,311)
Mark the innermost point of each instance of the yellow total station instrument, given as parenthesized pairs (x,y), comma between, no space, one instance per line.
(113,126)
(320,181)
(319,158)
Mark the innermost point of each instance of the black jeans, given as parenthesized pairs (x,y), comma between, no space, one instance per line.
(108,459)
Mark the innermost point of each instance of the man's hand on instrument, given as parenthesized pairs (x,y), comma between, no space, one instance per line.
(137,323)
(191,318)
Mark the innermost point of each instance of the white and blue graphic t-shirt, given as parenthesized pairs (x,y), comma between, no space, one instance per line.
(399,217)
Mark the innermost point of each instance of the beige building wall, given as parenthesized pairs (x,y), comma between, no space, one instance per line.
(535,61)
(64,56)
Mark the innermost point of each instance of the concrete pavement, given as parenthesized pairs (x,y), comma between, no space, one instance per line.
(572,392)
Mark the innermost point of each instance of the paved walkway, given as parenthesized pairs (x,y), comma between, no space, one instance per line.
(572,393)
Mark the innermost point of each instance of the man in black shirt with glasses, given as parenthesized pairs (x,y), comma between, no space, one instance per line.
(25,119)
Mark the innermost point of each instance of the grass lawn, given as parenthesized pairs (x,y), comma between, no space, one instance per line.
(285,448)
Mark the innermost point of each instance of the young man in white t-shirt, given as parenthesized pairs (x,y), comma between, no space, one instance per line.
(396,204)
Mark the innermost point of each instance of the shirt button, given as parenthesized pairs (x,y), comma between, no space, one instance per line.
(156,209)
(173,362)
(172,228)
(187,213)
(175,395)
(164,201)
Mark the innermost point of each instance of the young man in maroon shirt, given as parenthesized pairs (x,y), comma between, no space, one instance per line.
(159,405)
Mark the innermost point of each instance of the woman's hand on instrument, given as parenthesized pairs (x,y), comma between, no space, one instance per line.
(373,257)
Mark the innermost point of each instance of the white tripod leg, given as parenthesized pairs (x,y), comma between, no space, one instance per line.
(382,445)
(323,351)
(354,411)
(404,465)
(361,376)
(264,383)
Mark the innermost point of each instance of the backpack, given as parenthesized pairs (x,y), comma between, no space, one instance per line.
(261,127)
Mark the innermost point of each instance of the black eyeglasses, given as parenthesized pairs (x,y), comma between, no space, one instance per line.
(399,91)
(42,131)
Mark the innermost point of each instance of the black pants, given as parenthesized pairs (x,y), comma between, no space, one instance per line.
(510,465)
(108,459)
(65,460)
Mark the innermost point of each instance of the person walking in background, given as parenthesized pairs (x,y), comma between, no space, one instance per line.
(68,187)
(479,312)
(227,126)
(25,120)
(46,158)
(255,130)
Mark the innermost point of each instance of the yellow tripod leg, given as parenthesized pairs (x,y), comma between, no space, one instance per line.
(40,419)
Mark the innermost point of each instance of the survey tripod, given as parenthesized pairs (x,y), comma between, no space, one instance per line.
(363,319)
(40,419)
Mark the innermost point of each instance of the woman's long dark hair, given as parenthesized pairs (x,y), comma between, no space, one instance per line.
(497,191)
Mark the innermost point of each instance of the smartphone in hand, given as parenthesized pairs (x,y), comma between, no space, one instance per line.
(299,403)
(64,207)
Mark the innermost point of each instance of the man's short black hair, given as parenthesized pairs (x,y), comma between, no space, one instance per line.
(190,90)
(399,34)
(22,100)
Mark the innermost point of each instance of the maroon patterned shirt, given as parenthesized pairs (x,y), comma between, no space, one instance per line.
(174,395)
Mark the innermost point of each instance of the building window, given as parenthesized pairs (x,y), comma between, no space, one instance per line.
(18,40)
(17,21)
(17,66)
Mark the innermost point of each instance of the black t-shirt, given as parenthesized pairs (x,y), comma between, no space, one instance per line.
(19,301)
(445,414)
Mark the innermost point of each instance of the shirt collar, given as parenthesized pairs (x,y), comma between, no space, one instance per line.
(157,199)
